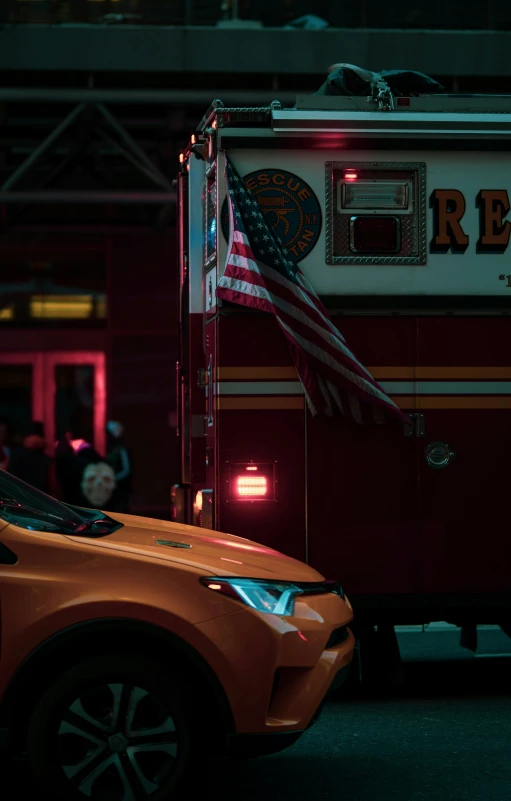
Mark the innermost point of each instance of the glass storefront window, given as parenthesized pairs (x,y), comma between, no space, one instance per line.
(74,401)
(15,400)
(36,293)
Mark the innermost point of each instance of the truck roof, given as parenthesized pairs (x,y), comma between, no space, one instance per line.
(444,116)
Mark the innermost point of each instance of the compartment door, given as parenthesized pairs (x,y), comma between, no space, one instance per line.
(464,378)
(362,495)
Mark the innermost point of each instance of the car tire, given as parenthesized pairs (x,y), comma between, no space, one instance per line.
(111,722)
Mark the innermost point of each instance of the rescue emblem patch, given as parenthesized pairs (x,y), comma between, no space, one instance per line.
(290,208)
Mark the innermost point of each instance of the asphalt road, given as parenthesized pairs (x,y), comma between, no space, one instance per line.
(444,734)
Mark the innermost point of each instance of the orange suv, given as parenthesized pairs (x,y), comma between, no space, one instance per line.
(130,647)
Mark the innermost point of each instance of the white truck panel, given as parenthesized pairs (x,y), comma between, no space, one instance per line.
(450,274)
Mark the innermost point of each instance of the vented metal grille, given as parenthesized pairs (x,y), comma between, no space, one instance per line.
(412,226)
(337,637)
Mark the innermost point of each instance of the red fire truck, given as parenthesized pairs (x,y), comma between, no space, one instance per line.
(396,214)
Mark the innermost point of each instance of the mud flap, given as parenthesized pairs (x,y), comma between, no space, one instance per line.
(378,657)
(468,637)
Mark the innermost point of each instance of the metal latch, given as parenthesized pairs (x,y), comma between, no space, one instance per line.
(415,425)
(381,94)
(439,455)
(202,378)
(209,391)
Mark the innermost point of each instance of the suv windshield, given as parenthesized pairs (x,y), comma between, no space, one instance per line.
(25,506)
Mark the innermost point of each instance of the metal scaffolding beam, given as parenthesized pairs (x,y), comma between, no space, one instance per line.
(88,197)
(43,148)
(167,49)
(164,97)
(83,151)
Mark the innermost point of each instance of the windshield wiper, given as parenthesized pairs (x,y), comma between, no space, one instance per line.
(11,503)
(88,525)
(72,526)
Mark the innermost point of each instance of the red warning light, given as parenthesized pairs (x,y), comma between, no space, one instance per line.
(251,486)
(350,176)
(252,481)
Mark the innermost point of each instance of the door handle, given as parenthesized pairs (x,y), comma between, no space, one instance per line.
(414,425)
(438,455)
(211,398)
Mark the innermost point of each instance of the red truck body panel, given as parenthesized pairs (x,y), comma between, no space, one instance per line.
(412,520)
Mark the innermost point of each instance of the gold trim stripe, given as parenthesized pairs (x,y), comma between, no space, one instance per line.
(248,373)
(259,402)
(419,372)
(398,372)
(454,402)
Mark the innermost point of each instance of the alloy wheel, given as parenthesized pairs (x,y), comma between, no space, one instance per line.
(117,742)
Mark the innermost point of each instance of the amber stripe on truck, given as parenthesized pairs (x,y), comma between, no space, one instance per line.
(282,373)
(411,387)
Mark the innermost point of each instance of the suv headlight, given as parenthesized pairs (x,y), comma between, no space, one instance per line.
(272,597)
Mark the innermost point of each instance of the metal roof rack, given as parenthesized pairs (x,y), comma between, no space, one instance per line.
(444,103)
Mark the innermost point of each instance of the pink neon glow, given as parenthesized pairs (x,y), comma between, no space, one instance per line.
(78,444)
(241,546)
(251,467)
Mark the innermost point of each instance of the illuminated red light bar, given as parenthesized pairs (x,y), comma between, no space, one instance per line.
(251,481)
(251,486)
(350,176)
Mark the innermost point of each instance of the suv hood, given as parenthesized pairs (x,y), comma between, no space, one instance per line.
(211,552)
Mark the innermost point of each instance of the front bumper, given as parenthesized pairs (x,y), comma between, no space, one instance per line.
(275,670)
(245,746)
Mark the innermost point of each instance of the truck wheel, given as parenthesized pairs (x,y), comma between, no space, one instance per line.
(117,727)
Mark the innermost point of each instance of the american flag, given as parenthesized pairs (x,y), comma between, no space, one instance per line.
(259,274)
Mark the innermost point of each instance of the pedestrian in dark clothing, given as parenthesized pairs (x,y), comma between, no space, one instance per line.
(5,450)
(64,464)
(31,463)
(72,455)
(119,458)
